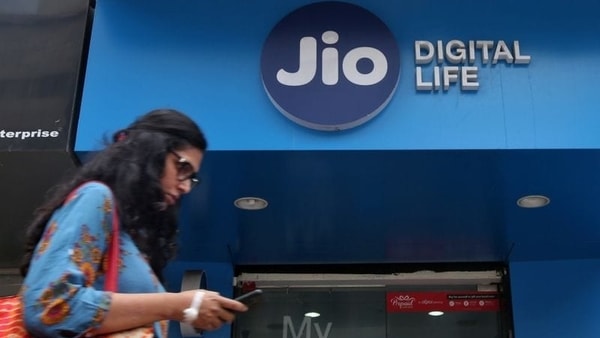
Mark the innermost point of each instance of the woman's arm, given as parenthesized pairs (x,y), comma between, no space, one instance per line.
(134,310)
(62,292)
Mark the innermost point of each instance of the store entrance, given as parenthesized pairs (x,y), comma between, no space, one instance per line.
(412,305)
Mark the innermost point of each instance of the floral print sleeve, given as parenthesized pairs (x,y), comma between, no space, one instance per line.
(62,292)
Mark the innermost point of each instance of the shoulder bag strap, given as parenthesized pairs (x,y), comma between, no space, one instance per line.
(112,269)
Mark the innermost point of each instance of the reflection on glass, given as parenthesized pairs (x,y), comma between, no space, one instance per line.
(356,313)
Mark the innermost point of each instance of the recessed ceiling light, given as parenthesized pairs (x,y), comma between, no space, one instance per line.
(250,203)
(533,201)
(435,313)
(312,314)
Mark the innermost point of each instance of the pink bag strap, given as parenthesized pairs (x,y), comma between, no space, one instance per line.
(111,283)
(112,269)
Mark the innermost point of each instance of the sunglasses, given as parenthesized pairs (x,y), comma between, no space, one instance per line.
(185,170)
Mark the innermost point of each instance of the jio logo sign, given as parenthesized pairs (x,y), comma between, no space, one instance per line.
(330,65)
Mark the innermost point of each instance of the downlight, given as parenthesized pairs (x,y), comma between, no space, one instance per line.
(533,201)
(251,203)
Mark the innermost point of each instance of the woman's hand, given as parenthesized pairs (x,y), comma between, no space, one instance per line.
(215,310)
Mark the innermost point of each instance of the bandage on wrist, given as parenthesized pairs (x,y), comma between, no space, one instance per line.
(191,313)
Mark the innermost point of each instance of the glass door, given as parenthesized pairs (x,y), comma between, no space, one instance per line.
(382,308)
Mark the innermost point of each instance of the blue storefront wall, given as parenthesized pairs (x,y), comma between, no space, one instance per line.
(556,298)
(204,59)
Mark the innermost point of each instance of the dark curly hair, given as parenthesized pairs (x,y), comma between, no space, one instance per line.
(131,165)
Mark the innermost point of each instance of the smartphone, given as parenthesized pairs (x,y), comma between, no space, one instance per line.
(251,297)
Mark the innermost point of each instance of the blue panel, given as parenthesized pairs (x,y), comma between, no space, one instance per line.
(393,206)
(556,299)
(203,58)
(567,227)
(346,207)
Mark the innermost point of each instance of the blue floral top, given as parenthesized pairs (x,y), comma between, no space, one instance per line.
(63,292)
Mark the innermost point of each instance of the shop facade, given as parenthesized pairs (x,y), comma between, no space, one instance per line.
(379,133)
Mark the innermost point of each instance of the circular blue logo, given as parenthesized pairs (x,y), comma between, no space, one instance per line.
(330,65)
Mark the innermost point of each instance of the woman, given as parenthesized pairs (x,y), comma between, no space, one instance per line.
(142,174)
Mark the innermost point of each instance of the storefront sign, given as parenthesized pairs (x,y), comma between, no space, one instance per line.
(455,61)
(39,73)
(330,66)
(25,134)
(333,65)
(442,301)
